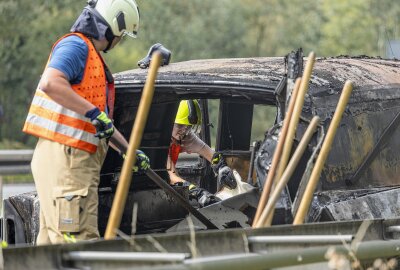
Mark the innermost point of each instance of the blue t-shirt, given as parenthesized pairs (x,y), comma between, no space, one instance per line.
(69,56)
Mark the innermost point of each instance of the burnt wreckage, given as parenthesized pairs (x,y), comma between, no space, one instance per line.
(359,179)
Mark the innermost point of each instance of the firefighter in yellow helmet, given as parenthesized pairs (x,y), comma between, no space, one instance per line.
(184,139)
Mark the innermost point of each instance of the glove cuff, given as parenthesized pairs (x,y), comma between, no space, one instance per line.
(217,162)
(189,185)
(93,113)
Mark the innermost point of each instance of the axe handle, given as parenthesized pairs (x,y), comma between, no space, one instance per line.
(121,193)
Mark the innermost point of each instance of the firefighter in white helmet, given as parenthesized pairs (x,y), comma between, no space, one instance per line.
(184,139)
(76,90)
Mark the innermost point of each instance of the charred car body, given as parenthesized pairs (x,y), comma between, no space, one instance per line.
(359,180)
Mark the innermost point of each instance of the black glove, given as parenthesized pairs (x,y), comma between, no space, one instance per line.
(202,196)
(225,174)
(142,162)
(165,56)
(103,124)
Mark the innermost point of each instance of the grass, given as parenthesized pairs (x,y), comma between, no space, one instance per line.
(7,144)
(17,179)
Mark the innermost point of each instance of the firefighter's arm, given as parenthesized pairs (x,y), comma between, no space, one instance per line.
(56,85)
(193,144)
(206,152)
(173,176)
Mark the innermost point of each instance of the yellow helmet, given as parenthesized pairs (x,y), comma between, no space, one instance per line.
(189,113)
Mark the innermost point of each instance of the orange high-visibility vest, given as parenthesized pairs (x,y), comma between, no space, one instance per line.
(48,119)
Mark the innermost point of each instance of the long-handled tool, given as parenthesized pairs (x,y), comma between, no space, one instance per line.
(277,155)
(323,154)
(294,121)
(268,211)
(136,137)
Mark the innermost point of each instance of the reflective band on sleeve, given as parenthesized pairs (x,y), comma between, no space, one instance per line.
(62,129)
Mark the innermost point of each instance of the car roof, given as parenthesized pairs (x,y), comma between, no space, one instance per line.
(265,71)
(261,76)
(253,79)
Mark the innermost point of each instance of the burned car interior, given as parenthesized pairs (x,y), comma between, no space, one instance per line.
(233,138)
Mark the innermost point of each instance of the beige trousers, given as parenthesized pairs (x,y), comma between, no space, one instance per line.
(67,182)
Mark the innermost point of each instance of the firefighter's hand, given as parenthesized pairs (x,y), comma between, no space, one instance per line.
(226,178)
(202,196)
(224,173)
(142,162)
(103,124)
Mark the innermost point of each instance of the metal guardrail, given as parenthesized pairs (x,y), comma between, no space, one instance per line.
(15,161)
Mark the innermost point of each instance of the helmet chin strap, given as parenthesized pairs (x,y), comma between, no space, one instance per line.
(110,38)
(108,46)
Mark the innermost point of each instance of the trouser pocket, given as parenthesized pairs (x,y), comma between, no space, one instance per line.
(68,209)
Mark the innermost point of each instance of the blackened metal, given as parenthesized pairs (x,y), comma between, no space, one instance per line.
(382,141)
(21,212)
(376,203)
(234,125)
(156,212)
(166,187)
(294,69)
(256,146)
(295,64)
(235,212)
(207,177)
(265,154)
(281,86)
(280,95)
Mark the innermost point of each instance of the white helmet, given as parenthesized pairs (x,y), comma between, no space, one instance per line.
(121,15)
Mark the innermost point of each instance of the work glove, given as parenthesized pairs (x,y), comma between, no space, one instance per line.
(142,162)
(103,124)
(165,56)
(225,174)
(202,196)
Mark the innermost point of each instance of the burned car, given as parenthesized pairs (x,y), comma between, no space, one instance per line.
(359,177)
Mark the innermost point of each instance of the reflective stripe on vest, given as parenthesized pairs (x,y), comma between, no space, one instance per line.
(48,119)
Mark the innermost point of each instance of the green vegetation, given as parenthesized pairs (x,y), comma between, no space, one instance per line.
(18,179)
(191,29)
